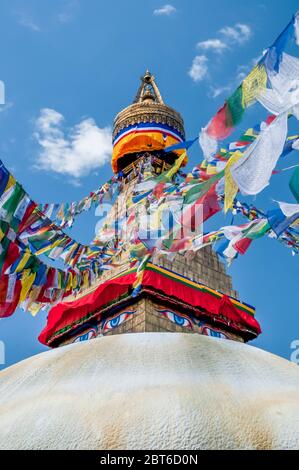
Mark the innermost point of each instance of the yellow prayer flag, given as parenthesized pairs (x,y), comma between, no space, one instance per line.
(175,168)
(85,280)
(250,132)
(75,282)
(27,280)
(34,308)
(69,281)
(2,234)
(230,187)
(252,85)
(11,182)
(211,170)
(26,256)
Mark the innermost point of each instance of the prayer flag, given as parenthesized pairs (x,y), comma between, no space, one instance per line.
(253,172)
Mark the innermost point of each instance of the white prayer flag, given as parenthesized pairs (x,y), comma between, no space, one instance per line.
(252,173)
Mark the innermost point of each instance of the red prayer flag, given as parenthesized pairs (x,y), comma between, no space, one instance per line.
(9,296)
(210,203)
(242,245)
(218,127)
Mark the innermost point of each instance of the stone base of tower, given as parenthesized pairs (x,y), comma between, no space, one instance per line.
(173,297)
(202,267)
(150,316)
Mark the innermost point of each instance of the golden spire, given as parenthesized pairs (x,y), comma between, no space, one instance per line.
(148,106)
(148,89)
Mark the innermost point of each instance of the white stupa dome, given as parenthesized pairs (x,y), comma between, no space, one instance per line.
(151,391)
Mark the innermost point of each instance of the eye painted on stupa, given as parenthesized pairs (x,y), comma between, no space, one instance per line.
(214,333)
(116,320)
(92,333)
(177,318)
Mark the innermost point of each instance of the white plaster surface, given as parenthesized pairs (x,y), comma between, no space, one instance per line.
(151,391)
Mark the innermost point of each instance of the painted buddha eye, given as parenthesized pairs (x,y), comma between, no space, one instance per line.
(214,333)
(179,319)
(86,336)
(117,320)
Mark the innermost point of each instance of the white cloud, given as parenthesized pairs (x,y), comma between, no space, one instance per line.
(199,68)
(27,22)
(65,17)
(5,107)
(69,12)
(239,33)
(242,71)
(217,91)
(215,45)
(165,10)
(74,152)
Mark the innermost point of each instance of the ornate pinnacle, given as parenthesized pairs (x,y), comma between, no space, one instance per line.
(147,85)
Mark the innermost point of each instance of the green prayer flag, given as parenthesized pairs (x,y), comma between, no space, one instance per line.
(200,189)
(11,204)
(235,109)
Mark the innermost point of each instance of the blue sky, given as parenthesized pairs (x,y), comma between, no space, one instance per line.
(70,66)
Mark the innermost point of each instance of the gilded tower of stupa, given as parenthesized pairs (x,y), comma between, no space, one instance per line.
(178,294)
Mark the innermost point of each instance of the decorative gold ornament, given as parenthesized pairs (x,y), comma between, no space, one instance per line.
(148,107)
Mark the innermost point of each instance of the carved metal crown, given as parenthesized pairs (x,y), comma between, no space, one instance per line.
(148,106)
